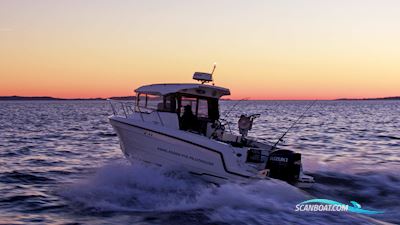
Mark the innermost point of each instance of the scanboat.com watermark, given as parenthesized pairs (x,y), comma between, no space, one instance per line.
(326,205)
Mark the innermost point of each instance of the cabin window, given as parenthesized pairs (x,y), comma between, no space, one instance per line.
(206,108)
(169,104)
(141,100)
(154,102)
(186,101)
(149,101)
(202,108)
(195,113)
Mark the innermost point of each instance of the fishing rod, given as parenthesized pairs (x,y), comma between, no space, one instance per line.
(233,107)
(229,111)
(298,120)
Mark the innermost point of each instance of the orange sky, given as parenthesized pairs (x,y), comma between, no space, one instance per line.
(306,49)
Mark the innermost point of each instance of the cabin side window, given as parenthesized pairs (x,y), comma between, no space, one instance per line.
(196,113)
(168,105)
(187,104)
(156,102)
(141,100)
(149,102)
(202,108)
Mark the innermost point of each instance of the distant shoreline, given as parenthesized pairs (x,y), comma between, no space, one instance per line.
(368,99)
(47,98)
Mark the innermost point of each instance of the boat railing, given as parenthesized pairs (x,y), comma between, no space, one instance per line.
(121,107)
(141,110)
(129,108)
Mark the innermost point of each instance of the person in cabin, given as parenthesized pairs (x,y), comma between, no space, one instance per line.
(188,118)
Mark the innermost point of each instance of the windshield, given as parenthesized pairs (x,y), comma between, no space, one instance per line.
(157,102)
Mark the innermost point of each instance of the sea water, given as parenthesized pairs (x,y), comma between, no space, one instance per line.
(60,163)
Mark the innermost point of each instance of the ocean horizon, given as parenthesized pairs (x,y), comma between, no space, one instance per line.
(61,164)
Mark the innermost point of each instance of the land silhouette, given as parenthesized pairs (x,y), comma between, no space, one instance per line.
(48,98)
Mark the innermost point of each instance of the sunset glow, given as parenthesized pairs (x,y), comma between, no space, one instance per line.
(308,49)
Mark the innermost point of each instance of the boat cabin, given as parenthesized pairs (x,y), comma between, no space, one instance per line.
(191,107)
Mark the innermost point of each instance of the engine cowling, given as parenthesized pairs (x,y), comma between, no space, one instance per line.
(284,165)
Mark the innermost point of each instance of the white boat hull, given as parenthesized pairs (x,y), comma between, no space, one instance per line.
(142,142)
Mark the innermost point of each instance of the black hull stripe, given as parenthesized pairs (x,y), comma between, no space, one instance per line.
(208,174)
(198,145)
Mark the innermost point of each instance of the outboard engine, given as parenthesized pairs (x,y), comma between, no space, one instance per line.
(284,165)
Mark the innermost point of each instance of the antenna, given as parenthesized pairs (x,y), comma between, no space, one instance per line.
(298,120)
(215,66)
(212,72)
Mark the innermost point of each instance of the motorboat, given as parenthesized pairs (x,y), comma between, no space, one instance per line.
(178,125)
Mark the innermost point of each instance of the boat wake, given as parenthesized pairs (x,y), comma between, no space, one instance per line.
(379,190)
(124,188)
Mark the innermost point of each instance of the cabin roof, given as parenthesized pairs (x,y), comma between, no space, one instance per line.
(194,89)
